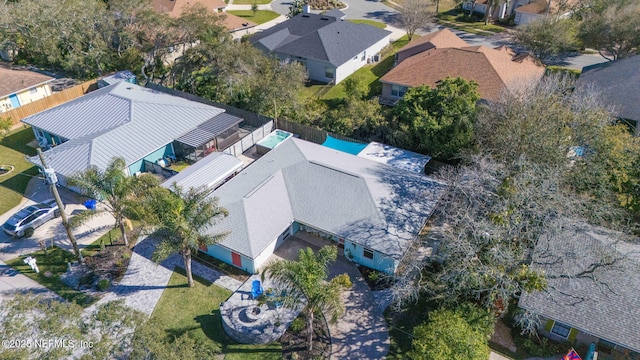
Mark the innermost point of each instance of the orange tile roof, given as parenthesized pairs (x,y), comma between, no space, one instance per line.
(16,80)
(174,7)
(540,7)
(492,69)
(439,39)
(535,7)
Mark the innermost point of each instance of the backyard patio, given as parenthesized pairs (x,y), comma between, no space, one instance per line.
(250,321)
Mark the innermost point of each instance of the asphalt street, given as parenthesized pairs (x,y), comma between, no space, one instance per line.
(378,11)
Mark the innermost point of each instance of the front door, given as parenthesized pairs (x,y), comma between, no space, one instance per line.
(236,259)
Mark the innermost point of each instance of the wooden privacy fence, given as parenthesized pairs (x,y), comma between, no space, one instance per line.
(54,99)
(305,132)
(310,133)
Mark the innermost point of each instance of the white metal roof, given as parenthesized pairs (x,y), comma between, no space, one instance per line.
(123,120)
(369,203)
(396,157)
(208,172)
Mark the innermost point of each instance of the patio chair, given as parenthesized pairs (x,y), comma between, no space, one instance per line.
(256,289)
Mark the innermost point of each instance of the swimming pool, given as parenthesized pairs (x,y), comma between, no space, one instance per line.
(271,141)
(349,147)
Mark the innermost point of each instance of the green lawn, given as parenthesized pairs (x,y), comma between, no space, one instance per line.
(196,311)
(251,2)
(108,238)
(454,19)
(370,73)
(13,149)
(262,16)
(55,262)
(370,22)
(179,166)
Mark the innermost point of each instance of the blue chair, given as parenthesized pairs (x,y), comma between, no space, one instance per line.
(256,289)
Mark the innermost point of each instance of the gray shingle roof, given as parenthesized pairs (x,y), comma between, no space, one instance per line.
(319,37)
(119,120)
(605,305)
(373,204)
(208,172)
(619,82)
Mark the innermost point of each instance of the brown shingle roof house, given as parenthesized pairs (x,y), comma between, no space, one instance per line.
(175,7)
(436,40)
(19,87)
(493,70)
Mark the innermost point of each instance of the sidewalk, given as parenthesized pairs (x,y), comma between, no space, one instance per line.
(12,282)
(145,281)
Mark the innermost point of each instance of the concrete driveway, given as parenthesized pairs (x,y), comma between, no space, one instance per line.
(52,230)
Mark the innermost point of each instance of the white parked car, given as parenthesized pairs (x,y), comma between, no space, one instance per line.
(24,222)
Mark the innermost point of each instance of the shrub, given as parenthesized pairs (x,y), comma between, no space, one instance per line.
(103,284)
(87,279)
(297,325)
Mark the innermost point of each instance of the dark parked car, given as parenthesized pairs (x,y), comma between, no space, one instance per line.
(25,221)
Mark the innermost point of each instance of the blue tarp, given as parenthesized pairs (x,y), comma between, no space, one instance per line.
(344,146)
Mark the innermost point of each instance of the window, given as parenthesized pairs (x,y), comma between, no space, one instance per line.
(328,72)
(398,91)
(33,90)
(561,330)
(368,254)
(364,55)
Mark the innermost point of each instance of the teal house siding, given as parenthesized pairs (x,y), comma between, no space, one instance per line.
(379,261)
(223,254)
(166,150)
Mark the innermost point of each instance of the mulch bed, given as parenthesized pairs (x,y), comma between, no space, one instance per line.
(110,263)
(295,345)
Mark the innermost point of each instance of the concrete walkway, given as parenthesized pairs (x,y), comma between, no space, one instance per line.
(362,332)
(143,283)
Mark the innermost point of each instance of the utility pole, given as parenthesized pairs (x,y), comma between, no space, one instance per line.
(52,179)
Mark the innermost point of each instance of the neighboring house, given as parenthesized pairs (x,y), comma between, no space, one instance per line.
(537,9)
(20,87)
(619,85)
(143,126)
(586,302)
(175,7)
(493,69)
(524,11)
(330,48)
(480,7)
(372,211)
(444,38)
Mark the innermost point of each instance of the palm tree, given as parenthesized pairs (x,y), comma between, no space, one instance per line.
(490,9)
(112,187)
(306,281)
(184,220)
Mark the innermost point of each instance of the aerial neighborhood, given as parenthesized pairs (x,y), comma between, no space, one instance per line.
(406,179)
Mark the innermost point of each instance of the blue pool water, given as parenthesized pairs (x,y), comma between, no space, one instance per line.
(272,140)
(344,146)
